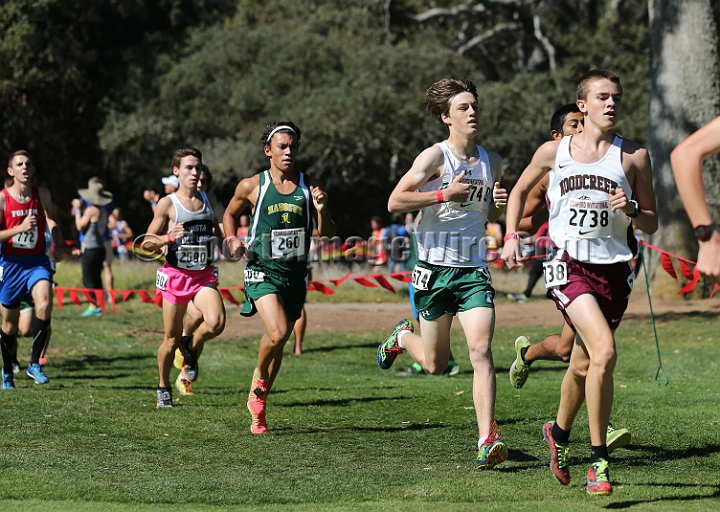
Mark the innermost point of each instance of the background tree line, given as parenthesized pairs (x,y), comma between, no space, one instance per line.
(100,87)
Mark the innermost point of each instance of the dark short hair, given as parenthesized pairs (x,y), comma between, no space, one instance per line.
(440,95)
(583,85)
(558,118)
(182,153)
(19,152)
(208,175)
(291,129)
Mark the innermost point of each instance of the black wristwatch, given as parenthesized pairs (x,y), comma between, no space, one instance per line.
(704,232)
(636,213)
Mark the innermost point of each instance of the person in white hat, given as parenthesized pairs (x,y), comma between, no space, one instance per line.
(91,221)
(171,184)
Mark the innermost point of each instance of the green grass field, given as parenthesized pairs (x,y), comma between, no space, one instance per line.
(344,434)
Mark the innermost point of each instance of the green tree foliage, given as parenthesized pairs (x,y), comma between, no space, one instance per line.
(67,62)
(358,99)
(100,87)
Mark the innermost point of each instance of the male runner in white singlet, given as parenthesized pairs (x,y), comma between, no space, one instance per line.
(599,181)
(456,185)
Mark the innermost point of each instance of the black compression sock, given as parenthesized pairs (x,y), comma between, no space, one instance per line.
(6,343)
(523,351)
(559,435)
(598,453)
(41,331)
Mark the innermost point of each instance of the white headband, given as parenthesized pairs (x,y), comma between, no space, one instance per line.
(281,127)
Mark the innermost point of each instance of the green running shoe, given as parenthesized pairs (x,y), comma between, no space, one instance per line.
(617,438)
(598,479)
(389,349)
(415,369)
(452,369)
(519,370)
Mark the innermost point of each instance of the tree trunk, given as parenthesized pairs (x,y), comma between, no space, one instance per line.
(684,95)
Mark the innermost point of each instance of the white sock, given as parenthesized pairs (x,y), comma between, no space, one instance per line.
(400,337)
(481,441)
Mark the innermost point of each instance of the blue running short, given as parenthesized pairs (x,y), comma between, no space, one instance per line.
(18,276)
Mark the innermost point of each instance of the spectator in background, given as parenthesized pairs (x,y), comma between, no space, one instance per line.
(536,268)
(151,197)
(409,223)
(243,228)
(493,239)
(121,233)
(171,184)
(204,184)
(314,255)
(106,211)
(91,221)
(376,254)
(396,237)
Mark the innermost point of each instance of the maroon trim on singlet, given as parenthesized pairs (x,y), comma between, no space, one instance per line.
(22,210)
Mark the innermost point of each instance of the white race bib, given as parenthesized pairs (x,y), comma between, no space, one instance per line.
(555,273)
(288,243)
(480,190)
(421,278)
(191,256)
(161,279)
(26,239)
(589,219)
(254,276)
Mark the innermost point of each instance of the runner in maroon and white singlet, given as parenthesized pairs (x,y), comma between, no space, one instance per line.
(599,181)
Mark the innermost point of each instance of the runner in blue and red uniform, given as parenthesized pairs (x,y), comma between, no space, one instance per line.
(24,264)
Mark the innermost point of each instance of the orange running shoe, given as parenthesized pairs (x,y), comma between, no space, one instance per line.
(183,385)
(256,406)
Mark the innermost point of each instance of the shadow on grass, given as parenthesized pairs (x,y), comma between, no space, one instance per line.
(654,454)
(382,430)
(344,402)
(694,497)
(82,363)
(340,347)
(101,376)
(672,316)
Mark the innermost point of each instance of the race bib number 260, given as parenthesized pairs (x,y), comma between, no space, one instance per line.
(288,243)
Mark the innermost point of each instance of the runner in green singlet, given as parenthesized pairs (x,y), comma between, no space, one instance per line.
(286,206)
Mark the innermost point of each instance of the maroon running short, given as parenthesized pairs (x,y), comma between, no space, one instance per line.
(610,284)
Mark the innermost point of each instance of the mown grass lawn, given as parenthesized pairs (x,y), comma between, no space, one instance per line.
(344,434)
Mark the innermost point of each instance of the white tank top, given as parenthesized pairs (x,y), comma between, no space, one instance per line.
(453,234)
(581,221)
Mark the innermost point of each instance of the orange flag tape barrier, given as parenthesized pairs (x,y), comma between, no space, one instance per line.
(686,268)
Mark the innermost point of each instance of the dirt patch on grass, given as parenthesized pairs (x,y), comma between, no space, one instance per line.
(383,316)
